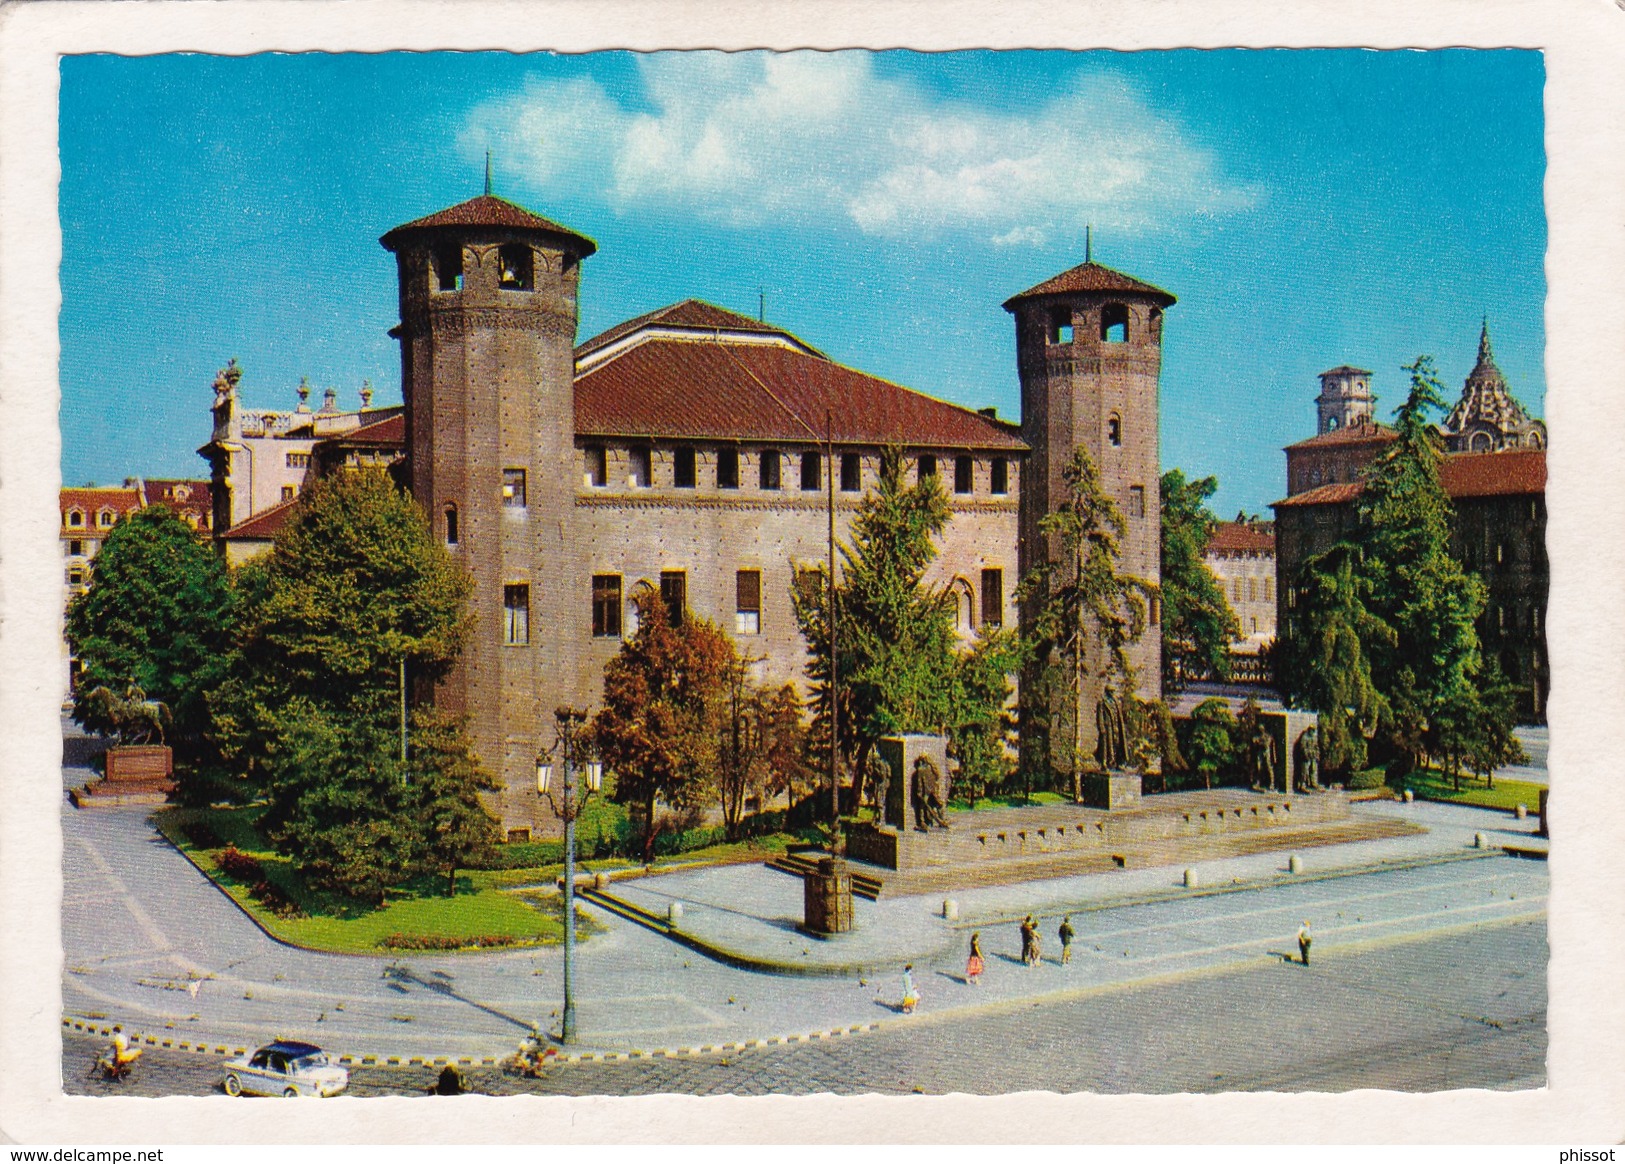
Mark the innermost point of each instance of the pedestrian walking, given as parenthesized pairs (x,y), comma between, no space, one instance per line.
(911,997)
(1027,933)
(973,964)
(1304,938)
(1067,934)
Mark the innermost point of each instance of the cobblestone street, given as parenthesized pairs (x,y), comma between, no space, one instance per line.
(1408,1016)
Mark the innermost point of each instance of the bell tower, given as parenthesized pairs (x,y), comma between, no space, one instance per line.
(488,324)
(1345,400)
(1089,354)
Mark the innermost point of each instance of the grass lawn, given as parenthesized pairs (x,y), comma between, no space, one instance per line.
(1507,794)
(1008,800)
(490,910)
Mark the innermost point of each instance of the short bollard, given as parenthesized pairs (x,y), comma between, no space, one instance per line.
(1479,841)
(1521,812)
(1294,864)
(600,880)
(950,910)
(674,913)
(1409,796)
(1191,881)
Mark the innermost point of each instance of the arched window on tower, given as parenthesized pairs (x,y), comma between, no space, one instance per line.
(516,267)
(1114,323)
(1060,326)
(1480,442)
(1114,431)
(451,525)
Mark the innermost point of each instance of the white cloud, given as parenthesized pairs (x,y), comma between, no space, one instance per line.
(748,139)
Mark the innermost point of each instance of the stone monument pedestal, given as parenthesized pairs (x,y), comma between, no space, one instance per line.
(828,897)
(1112,790)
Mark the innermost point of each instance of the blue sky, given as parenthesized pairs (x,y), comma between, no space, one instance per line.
(1308,208)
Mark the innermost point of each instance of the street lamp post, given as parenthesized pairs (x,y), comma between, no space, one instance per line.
(569,722)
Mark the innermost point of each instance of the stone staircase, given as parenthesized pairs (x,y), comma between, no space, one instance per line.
(864,884)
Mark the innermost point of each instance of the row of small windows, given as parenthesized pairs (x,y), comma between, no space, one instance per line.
(1265,585)
(75,519)
(607,604)
(772,469)
(1113,324)
(516,267)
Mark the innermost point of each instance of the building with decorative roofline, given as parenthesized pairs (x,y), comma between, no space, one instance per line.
(1495,476)
(687,457)
(1241,557)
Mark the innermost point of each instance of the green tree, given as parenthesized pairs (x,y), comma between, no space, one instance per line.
(1213,739)
(900,667)
(444,780)
(665,709)
(156,616)
(1411,580)
(354,585)
(981,728)
(1328,668)
(1198,625)
(1090,614)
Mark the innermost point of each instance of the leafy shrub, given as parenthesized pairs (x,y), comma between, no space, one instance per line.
(1369,778)
(202,835)
(239,865)
(399,941)
(273,899)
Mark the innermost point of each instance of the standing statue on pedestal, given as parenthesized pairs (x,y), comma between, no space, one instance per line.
(1262,754)
(879,779)
(1309,759)
(1111,733)
(928,806)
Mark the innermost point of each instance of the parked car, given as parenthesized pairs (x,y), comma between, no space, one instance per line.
(285,1068)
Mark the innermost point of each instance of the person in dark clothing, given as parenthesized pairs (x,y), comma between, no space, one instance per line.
(1067,934)
(1304,938)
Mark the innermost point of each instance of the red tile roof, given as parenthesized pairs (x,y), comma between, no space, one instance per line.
(1507,473)
(1511,473)
(489,210)
(264,525)
(1091,277)
(707,390)
(1359,434)
(689,314)
(91,499)
(1235,537)
(1345,370)
(161,491)
(389,431)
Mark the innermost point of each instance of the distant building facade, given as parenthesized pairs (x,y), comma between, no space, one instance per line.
(89,513)
(1241,557)
(1495,476)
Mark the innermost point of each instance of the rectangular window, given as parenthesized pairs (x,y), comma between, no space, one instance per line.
(516,614)
(77,549)
(1269,589)
(513,488)
(925,468)
(727,468)
(597,467)
(76,576)
(289,492)
(674,593)
(748,602)
(851,472)
(1060,327)
(769,475)
(451,525)
(1136,500)
(516,269)
(964,474)
(448,267)
(640,466)
(298,460)
(1001,477)
(811,478)
(606,606)
(992,598)
(682,468)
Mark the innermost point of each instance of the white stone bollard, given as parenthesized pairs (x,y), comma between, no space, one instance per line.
(674,913)
(1409,796)
(1479,841)
(1294,864)
(600,880)
(1191,880)
(950,910)
(1521,812)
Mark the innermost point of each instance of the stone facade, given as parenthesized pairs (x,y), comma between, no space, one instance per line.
(1345,400)
(1487,418)
(1241,557)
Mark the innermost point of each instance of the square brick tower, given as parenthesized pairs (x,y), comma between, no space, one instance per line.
(1089,353)
(488,324)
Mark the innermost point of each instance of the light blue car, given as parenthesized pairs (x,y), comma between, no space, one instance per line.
(285,1068)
